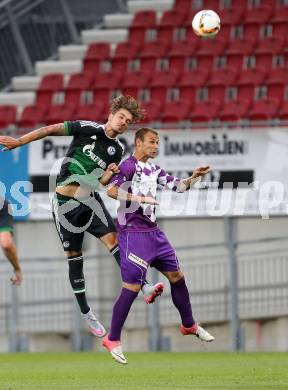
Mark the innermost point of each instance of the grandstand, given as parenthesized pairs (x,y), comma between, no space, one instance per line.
(234,87)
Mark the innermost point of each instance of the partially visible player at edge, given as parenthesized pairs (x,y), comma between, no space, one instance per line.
(93,154)
(6,240)
(141,242)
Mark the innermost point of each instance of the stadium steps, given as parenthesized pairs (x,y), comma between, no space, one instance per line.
(141,5)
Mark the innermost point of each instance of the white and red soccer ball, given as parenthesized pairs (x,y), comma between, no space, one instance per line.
(206,23)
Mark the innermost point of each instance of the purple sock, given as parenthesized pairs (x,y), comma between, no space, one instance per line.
(120,312)
(181,299)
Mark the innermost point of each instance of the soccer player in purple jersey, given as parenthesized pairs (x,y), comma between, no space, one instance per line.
(92,157)
(141,242)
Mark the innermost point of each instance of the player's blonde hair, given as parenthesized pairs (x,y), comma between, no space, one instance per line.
(130,104)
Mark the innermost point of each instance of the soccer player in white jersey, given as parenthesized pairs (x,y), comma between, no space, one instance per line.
(93,156)
(141,242)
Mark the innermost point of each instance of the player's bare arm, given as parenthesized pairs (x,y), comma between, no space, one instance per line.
(185,184)
(120,194)
(110,171)
(12,143)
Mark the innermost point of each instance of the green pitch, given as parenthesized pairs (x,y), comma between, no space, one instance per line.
(145,371)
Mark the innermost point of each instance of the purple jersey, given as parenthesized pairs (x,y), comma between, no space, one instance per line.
(140,178)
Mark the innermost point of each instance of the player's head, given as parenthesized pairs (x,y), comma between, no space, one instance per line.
(124,110)
(146,142)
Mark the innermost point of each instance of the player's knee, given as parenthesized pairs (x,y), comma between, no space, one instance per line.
(132,287)
(174,276)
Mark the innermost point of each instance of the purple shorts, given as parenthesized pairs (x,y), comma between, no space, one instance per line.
(139,250)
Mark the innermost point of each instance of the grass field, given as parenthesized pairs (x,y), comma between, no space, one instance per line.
(145,371)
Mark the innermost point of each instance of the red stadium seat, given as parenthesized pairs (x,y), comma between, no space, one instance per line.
(225,76)
(170,20)
(264,109)
(231,15)
(32,116)
(59,113)
(151,51)
(134,81)
(253,76)
(153,111)
(190,81)
(50,83)
(233,111)
(271,45)
(214,47)
(142,21)
(283,111)
(8,115)
(277,81)
(280,15)
(77,83)
(258,15)
(104,84)
(183,6)
(97,52)
(124,52)
(160,82)
(176,111)
(242,46)
(205,111)
(91,112)
(179,51)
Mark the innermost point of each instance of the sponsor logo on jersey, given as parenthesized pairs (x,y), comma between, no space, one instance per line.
(111,150)
(137,260)
(88,151)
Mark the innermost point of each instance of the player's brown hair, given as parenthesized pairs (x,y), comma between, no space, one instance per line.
(140,133)
(130,104)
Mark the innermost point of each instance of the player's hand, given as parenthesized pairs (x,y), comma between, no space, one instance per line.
(201,171)
(16,280)
(148,200)
(113,168)
(9,142)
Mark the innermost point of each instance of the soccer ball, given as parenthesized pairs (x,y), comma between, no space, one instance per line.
(206,23)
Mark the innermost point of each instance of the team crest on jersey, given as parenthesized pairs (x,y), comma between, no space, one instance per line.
(111,150)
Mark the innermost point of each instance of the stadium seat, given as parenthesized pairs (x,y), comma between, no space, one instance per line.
(183,6)
(151,51)
(179,51)
(280,15)
(91,112)
(205,111)
(124,52)
(8,115)
(77,83)
(104,83)
(50,83)
(277,81)
(176,111)
(253,76)
(191,80)
(241,46)
(264,110)
(225,76)
(214,47)
(153,111)
(258,15)
(134,81)
(142,21)
(161,81)
(59,113)
(32,116)
(283,111)
(96,53)
(169,20)
(233,111)
(271,45)
(231,15)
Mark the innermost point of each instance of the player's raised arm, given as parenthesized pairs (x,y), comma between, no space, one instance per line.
(12,143)
(185,184)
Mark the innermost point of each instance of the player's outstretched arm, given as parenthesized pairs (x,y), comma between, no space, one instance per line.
(185,184)
(120,194)
(12,143)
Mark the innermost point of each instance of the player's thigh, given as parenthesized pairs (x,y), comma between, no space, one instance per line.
(101,223)
(136,251)
(6,239)
(166,258)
